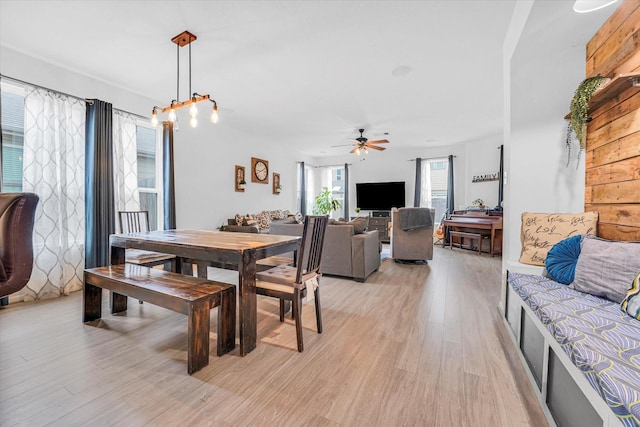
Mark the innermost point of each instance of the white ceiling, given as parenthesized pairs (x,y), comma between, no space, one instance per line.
(307,73)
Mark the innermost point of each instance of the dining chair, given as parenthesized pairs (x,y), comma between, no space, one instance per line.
(138,222)
(288,283)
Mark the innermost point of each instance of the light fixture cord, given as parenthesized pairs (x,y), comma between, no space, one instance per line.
(190,93)
(178,72)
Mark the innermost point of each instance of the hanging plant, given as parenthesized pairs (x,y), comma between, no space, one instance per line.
(580,106)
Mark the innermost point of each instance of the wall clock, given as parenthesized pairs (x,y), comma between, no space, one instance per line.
(259,170)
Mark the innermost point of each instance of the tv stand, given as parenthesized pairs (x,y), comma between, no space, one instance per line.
(379,220)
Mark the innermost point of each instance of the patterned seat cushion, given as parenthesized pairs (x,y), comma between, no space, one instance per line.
(283,274)
(599,338)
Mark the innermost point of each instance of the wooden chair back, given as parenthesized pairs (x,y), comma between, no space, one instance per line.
(134,221)
(310,252)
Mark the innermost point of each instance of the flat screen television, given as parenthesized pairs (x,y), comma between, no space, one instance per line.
(380,196)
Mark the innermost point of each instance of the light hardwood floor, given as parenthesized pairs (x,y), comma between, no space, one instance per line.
(414,345)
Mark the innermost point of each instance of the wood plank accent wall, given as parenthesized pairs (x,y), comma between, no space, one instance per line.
(612,183)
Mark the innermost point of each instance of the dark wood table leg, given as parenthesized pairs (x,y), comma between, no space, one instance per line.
(198,336)
(91,303)
(117,302)
(227,322)
(248,301)
(493,236)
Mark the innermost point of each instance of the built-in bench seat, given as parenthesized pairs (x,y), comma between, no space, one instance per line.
(184,294)
(599,339)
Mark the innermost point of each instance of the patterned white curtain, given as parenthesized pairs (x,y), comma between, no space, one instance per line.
(425,192)
(125,163)
(54,159)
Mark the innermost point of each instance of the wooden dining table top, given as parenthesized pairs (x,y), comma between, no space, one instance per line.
(220,240)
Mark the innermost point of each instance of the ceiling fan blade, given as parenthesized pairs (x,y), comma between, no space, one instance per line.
(375,147)
(342,145)
(379,141)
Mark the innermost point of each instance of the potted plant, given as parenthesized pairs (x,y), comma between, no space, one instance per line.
(325,203)
(278,188)
(580,107)
(357,210)
(241,184)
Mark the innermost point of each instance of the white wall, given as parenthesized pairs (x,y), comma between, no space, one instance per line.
(543,70)
(396,165)
(204,172)
(204,156)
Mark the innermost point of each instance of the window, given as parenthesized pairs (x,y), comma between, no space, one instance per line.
(439,165)
(148,141)
(438,180)
(12,107)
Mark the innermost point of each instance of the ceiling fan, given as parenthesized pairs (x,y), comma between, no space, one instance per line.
(363,144)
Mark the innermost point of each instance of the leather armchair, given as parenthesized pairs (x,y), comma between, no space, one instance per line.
(412,234)
(17,216)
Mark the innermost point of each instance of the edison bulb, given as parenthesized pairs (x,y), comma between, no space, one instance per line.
(154,119)
(214,116)
(193,110)
(172,115)
(193,121)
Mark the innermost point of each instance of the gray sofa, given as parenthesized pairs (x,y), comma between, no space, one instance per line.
(345,253)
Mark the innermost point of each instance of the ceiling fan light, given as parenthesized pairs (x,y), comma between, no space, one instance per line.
(365,150)
(357,151)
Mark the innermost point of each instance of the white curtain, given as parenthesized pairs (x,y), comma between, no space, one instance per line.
(125,164)
(425,183)
(54,160)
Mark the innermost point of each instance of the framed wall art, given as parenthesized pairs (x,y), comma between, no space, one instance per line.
(239,180)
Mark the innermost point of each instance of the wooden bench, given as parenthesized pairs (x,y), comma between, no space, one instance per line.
(184,294)
(461,235)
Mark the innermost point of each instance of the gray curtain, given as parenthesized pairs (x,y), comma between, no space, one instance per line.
(346,192)
(303,191)
(99,210)
(501,179)
(418,186)
(451,206)
(168,182)
(1,172)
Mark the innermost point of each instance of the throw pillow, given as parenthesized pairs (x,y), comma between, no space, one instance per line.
(541,231)
(631,303)
(359,224)
(249,220)
(239,219)
(562,259)
(605,267)
(264,220)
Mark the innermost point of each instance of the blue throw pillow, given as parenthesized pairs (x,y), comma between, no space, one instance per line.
(562,259)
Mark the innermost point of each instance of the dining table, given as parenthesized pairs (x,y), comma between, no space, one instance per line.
(234,250)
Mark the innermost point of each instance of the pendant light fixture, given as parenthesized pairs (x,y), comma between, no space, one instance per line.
(184,39)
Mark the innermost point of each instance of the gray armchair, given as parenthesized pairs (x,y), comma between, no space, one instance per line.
(17,215)
(412,234)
